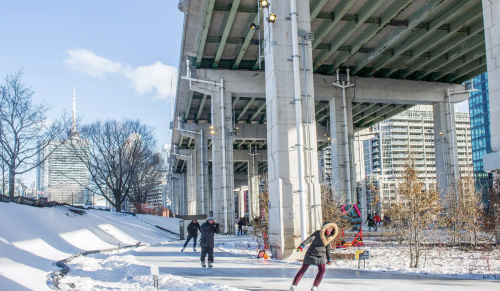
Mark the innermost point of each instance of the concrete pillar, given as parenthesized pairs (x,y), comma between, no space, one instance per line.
(444,133)
(202,174)
(218,149)
(241,201)
(253,187)
(339,166)
(491,17)
(360,171)
(179,188)
(284,204)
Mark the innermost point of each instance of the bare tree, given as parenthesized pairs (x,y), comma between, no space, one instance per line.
(463,215)
(147,177)
(331,208)
(413,216)
(493,217)
(261,222)
(113,152)
(4,170)
(25,130)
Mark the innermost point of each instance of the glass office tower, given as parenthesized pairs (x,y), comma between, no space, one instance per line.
(479,111)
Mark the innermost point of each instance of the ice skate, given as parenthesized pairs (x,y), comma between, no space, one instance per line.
(203,265)
(210,264)
(194,249)
(292,288)
(183,248)
(314,288)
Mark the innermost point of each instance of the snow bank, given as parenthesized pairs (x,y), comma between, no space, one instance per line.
(32,239)
(242,247)
(123,272)
(436,262)
(168,223)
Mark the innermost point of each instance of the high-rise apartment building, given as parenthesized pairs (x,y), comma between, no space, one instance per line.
(61,175)
(479,109)
(410,133)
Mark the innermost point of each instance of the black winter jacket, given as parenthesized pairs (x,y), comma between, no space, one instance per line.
(208,232)
(193,228)
(319,250)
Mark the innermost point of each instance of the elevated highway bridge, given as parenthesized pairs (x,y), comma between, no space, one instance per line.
(279,105)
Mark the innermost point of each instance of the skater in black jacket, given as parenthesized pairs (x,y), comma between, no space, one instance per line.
(207,240)
(317,254)
(192,229)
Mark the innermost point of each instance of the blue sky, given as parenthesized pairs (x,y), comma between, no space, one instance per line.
(120,55)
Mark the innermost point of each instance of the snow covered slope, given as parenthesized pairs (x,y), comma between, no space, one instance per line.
(32,239)
(168,223)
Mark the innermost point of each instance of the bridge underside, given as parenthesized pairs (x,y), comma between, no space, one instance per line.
(400,53)
(439,41)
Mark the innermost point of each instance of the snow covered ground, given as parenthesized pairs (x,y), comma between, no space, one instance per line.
(32,239)
(168,223)
(123,272)
(392,258)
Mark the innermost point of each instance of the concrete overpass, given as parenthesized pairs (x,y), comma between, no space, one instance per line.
(395,53)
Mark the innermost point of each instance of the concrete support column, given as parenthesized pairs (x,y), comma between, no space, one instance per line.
(218,149)
(175,195)
(444,134)
(339,165)
(283,179)
(360,172)
(202,174)
(491,16)
(253,188)
(241,201)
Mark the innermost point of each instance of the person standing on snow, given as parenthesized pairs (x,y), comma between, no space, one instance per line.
(207,241)
(317,254)
(192,229)
(241,222)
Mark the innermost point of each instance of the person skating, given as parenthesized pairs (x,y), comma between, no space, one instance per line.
(377,220)
(371,223)
(241,222)
(192,229)
(207,241)
(317,254)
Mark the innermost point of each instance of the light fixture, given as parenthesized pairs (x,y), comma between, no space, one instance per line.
(212,132)
(271,18)
(237,133)
(211,127)
(441,133)
(254,26)
(236,128)
(328,138)
(264,4)
(326,134)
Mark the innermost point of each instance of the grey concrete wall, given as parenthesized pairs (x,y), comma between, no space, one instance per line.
(219,149)
(491,17)
(445,160)
(283,178)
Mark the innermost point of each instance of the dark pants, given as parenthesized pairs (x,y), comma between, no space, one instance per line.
(319,276)
(240,229)
(209,251)
(189,238)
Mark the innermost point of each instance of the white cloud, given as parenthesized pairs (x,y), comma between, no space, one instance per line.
(90,63)
(154,79)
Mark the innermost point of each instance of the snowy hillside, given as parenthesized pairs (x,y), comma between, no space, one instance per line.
(32,239)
